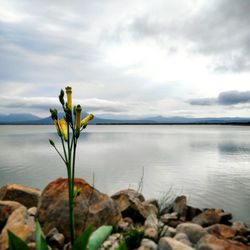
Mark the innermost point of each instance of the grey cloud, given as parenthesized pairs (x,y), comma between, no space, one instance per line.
(218,28)
(203,101)
(45,103)
(233,97)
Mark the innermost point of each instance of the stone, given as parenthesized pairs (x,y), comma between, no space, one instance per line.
(151,221)
(180,206)
(240,227)
(211,242)
(6,209)
(192,212)
(27,196)
(32,246)
(56,240)
(21,224)
(193,231)
(130,204)
(147,244)
(168,231)
(112,242)
(167,243)
(91,208)
(211,216)
(221,230)
(151,233)
(32,211)
(153,202)
(241,239)
(183,238)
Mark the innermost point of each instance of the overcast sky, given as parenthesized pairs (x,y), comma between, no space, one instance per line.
(127,58)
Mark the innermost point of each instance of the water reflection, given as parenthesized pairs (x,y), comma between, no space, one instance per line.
(198,161)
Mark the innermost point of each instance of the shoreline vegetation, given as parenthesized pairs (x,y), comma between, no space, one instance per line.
(168,223)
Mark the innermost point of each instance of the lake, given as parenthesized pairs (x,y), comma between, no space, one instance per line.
(209,164)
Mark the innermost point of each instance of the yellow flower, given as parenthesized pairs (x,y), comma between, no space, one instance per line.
(57,128)
(69,96)
(86,119)
(63,128)
(78,117)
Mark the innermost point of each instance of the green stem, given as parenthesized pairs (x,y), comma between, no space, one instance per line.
(74,157)
(64,150)
(60,154)
(71,191)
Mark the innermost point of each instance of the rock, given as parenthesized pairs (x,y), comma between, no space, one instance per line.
(6,209)
(21,224)
(131,205)
(55,239)
(221,231)
(171,219)
(193,231)
(192,212)
(151,227)
(183,238)
(112,242)
(150,208)
(27,196)
(168,231)
(153,202)
(147,244)
(240,227)
(32,246)
(180,206)
(211,216)
(32,211)
(91,208)
(211,242)
(241,239)
(167,243)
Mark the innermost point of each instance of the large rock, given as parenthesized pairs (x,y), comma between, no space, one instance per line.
(131,204)
(25,195)
(167,243)
(193,231)
(91,207)
(221,230)
(211,242)
(6,209)
(21,224)
(212,216)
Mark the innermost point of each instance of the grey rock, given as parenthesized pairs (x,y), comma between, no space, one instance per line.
(180,206)
(168,231)
(182,237)
(151,233)
(151,221)
(167,243)
(193,231)
(112,242)
(147,244)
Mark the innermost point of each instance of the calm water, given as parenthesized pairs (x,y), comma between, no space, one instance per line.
(209,164)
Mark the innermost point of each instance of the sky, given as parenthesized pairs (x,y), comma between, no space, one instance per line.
(132,58)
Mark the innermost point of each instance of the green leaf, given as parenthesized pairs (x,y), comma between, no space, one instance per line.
(16,243)
(40,241)
(82,242)
(99,236)
(122,246)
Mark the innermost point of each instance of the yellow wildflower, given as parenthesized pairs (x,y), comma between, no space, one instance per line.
(69,96)
(63,128)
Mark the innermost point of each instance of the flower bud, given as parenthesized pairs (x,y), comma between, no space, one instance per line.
(63,128)
(53,113)
(61,97)
(78,111)
(51,143)
(69,97)
(86,119)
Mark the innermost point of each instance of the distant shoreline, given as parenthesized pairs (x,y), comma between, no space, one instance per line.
(131,123)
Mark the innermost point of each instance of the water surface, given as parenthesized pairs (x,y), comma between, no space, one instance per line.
(208,164)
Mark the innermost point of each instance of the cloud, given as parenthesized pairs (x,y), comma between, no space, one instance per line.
(233,97)
(43,104)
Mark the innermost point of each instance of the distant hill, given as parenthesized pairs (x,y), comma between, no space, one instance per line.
(35,120)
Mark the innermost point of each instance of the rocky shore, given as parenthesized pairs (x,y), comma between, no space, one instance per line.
(142,224)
